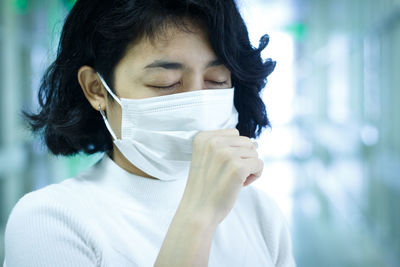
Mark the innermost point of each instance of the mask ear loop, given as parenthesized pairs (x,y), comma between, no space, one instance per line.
(109,90)
(107,124)
(102,112)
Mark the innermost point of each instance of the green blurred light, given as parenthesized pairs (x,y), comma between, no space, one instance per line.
(297,30)
(80,162)
(69,3)
(21,6)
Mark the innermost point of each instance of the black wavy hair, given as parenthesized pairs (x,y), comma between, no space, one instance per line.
(98,33)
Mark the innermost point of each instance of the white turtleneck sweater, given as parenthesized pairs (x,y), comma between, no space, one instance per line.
(106,216)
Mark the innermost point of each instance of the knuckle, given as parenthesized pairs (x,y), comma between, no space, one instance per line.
(224,154)
(198,138)
(202,138)
(250,143)
(214,142)
(245,138)
(237,168)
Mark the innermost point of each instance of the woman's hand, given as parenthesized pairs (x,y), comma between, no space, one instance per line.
(222,163)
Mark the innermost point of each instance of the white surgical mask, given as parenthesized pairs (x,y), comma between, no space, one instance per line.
(157,132)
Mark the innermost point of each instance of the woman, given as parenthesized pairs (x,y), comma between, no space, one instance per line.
(169,90)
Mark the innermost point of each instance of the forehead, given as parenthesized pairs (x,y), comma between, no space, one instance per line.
(172,43)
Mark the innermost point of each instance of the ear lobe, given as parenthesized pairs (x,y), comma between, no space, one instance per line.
(92,87)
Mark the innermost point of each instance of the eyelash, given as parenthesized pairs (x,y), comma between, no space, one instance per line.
(164,87)
(171,86)
(219,83)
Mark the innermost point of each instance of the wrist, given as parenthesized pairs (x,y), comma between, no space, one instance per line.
(196,218)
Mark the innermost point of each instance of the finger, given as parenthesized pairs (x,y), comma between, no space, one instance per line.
(250,179)
(227,132)
(222,133)
(254,166)
(239,141)
(258,174)
(244,152)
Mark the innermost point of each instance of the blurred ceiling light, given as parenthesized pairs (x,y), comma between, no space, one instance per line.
(369,135)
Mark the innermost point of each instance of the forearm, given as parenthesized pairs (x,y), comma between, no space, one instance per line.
(188,241)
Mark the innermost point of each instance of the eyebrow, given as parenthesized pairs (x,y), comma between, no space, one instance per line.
(169,65)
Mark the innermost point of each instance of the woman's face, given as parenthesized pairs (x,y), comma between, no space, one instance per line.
(175,62)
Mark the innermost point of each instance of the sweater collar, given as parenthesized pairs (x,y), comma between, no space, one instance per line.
(153,193)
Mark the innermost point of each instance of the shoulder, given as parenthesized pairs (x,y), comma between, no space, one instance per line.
(42,201)
(68,202)
(50,206)
(59,198)
(42,224)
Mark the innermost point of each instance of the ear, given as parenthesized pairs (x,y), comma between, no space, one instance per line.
(92,87)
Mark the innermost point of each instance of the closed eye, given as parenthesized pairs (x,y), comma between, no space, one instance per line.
(218,83)
(175,84)
(165,87)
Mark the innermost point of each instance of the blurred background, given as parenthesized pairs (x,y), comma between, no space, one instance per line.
(332,157)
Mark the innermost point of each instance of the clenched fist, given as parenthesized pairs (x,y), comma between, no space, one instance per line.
(222,163)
